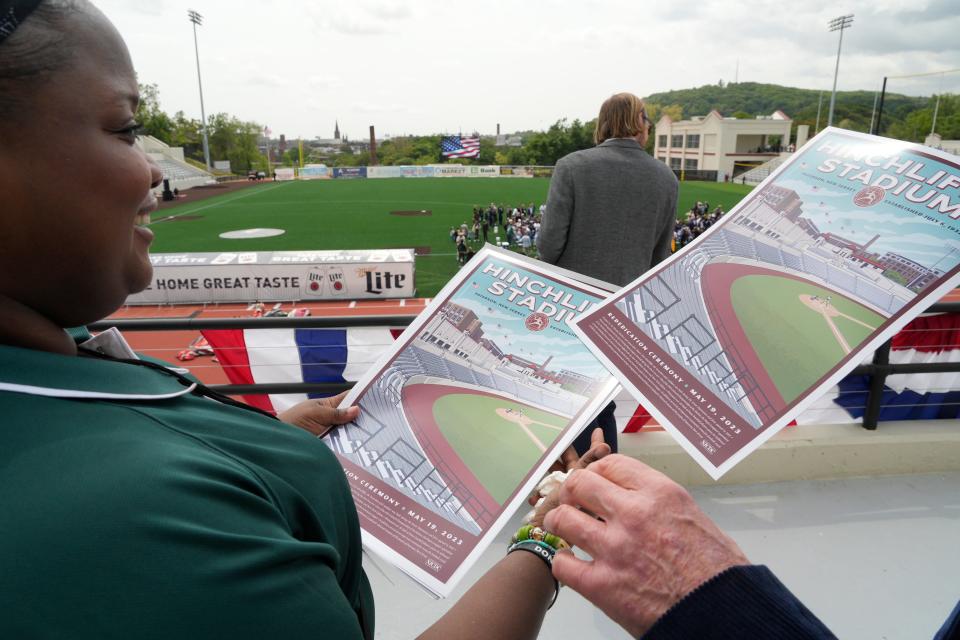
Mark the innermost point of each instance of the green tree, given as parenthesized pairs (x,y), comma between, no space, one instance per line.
(153,120)
(559,140)
(234,140)
(186,134)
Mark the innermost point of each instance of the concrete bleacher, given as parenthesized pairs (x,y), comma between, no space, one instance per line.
(761,173)
(175,168)
(816,262)
(693,343)
(380,440)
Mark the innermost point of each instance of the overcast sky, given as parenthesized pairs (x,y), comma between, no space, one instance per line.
(428,66)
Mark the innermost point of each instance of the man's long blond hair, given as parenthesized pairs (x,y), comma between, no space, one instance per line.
(621,116)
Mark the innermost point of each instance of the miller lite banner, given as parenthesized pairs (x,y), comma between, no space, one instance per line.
(277,276)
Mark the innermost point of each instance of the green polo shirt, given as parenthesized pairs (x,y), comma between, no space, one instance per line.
(132,508)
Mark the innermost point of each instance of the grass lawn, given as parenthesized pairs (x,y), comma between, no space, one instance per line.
(355,214)
(498,452)
(793,341)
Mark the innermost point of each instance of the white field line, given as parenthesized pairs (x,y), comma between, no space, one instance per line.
(221,202)
(836,333)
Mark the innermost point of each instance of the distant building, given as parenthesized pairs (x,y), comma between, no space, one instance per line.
(333,143)
(915,275)
(777,213)
(463,319)
(729,146)
(576,382)
(533,369)
(460,332)
(937,142)
(493,348)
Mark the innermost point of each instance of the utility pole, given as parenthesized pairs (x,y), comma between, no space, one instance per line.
(873,114)
(816,129)
(837,24)
(197,20)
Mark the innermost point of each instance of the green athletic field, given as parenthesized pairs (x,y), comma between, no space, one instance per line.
(497,451)
(355,214)
(794,342)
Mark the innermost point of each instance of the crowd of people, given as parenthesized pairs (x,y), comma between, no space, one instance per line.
(516,227)
(698,219)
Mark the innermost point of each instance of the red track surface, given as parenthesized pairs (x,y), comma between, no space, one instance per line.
(418,400)
(716,283)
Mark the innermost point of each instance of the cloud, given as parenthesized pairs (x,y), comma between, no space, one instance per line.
(382,107)
(486,310)
(356,26)
(605,45)
(385,11)
(268,81)
(805,189)
(364,19)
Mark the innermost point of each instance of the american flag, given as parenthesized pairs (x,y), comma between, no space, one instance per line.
(460,147)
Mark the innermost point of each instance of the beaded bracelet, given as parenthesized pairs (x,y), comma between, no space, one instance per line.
(543,551)
(530,532)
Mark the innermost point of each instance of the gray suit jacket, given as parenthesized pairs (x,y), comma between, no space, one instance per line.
(610,212)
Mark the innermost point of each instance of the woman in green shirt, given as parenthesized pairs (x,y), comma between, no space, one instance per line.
(133,506)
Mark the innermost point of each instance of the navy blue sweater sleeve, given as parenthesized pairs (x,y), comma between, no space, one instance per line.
(742,602)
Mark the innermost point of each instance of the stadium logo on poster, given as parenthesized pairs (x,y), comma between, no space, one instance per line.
(537,321)
(869,196)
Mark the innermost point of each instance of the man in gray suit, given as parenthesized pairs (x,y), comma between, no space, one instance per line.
(610,211)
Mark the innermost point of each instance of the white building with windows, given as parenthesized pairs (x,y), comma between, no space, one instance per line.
(729,146)
(936,141)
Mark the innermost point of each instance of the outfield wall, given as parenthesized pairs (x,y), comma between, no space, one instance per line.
(321,172)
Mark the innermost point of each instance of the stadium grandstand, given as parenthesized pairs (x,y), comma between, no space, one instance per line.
(181,174)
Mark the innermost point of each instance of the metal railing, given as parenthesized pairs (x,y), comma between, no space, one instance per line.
(877,371)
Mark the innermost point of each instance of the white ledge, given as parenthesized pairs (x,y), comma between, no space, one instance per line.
(813,452)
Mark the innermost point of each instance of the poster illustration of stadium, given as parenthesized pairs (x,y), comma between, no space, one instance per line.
(463,415)
(736,334)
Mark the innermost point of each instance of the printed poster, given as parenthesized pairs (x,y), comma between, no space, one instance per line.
(464,414)
(736,334)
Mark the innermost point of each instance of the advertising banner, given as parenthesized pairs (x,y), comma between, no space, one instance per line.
(284,174)
(350,172)
(315,172)
(410,171)
(449,170)
(483,171)
(384,172)
(464,414)
(739,332)
(276,276)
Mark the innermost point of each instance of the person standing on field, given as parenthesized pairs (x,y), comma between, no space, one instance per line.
(610,210)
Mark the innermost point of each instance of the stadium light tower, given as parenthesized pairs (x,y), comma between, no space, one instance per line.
(837,24)
(197,19)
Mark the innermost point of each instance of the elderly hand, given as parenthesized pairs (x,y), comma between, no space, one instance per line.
(650,543)
(568,461)
(319,416)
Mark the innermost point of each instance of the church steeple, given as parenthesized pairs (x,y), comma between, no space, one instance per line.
(336,130)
